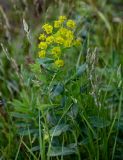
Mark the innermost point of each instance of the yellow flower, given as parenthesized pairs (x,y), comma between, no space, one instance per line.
(42,45)
(57,24)
(49,39)
(68,43)
(42,37)
(48,28)
(62,31)
(59,63)
(77,42)
(62,18)
(69,35)
(56,51)
(42,54)
(59,39)
(71,24)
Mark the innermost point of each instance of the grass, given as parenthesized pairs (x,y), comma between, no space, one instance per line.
(75,112)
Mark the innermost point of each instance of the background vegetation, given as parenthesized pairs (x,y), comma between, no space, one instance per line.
(76,114)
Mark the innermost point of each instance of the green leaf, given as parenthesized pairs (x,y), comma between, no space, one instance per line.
(57,90)
(81,69)
(73,111)
(61,151)
(47,106)
(26,132)
(84,142)
(19,115)
(36,148)
(119,124)
(59,129)
(99,122)
(45,60)
(22,125)
(46,64)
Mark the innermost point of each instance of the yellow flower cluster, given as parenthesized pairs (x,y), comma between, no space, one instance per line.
(59,63)
(48,28)
(42,37)
(71,24)
(57,37)
(49,39)
(42,53)
(56,51)
(42,45)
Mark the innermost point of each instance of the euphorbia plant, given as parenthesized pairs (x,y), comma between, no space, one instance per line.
(55,80)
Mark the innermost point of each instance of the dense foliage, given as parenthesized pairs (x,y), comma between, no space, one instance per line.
(61,91)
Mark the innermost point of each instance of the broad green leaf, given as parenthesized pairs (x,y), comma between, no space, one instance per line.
(22,125)
(26,132)
(45,60)
(73,110)
(36,148)
(57,90)
(99,122)
(59,129)
(46,106)
(81,69)
(61,151)
(19,115)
